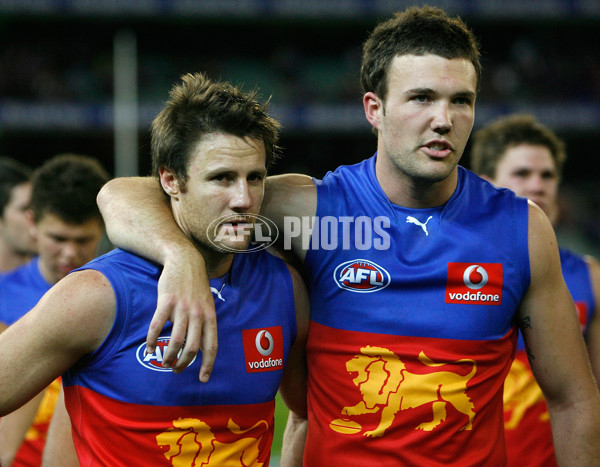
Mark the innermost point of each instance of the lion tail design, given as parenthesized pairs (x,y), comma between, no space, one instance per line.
(427,361)
(235,428)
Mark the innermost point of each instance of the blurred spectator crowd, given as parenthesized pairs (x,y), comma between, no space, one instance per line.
(541,63)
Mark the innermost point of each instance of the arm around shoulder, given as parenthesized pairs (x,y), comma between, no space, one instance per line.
(290,200)
(138,218)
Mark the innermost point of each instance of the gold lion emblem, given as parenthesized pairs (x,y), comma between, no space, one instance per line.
(191,442)
(387,387)
(521,392)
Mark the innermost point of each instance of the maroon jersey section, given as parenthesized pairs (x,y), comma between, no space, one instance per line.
(110,432)
(407,400)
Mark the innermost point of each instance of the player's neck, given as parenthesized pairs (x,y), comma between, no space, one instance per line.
(217,264)
(407,191)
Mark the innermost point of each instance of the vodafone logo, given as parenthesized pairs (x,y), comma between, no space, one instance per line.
(263,349)
(475,277)
(474,283)
(153,361)
(264,343)
(361,276)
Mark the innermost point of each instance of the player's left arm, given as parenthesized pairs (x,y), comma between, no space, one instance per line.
(293,383)
(59,448)
(557,351)
(13,428)
(71,320)
(593,331)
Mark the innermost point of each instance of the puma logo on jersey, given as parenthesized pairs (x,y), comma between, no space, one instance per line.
(218,292)
(423,225)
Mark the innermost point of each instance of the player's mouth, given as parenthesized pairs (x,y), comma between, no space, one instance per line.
(437,148)
(238,224)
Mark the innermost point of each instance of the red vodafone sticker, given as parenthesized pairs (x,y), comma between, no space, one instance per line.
(474,283)
(263,349)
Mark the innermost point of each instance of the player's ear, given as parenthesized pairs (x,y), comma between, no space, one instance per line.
(169,181)
(373,109)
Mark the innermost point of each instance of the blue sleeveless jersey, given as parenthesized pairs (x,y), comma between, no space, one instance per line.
(577,277)
(127,410)
(20,290)
(526,418)
(412,322)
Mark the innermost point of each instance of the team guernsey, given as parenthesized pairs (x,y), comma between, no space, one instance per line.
(526,417)
(20,290)
(126,409)
(412,322)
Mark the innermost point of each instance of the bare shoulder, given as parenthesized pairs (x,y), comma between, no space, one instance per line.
(543,246)
(539,223)
(80,309)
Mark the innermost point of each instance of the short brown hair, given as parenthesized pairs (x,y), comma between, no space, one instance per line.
(67,186)
(415,31)
(198,106)
(490,143)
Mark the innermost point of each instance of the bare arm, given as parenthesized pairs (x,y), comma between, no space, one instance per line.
(294,439)
(557,352)
(288,199)
(293,384)
(593,331)
(59,448)
(71,320)
(13,428)
(138,218)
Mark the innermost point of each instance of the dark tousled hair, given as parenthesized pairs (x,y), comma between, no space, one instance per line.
(67,186)
(198,106)
(415,31)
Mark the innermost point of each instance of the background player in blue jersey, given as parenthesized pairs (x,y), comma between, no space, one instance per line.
(519,153)
(68,227)
(17,245)
(409,339)
(211,145)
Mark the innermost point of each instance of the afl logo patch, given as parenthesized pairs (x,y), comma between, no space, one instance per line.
(361,276)
(153,361)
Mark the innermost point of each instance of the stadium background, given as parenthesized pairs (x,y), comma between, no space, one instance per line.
(88,76)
